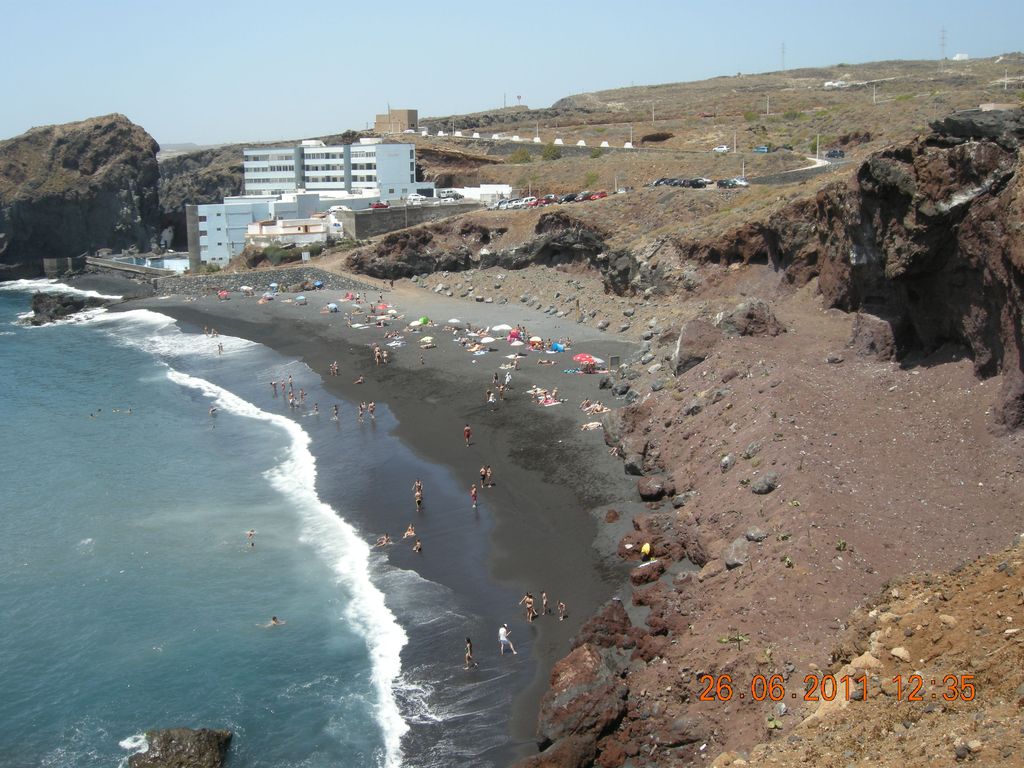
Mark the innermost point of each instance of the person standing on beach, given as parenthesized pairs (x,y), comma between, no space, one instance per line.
(417,487)
(488,476)
(472,494)
(469,655)
(372,410)
(467,433)
(544,610)
(562,613)
(503,641)
(334,415)
(418,546)
(273,384)
(483,477)
(527,601)
(419,500)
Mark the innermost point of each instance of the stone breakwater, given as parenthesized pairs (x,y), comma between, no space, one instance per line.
(288,280)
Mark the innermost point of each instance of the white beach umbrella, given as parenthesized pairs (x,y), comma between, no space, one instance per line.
(502,327)
(515,344)
(487,340)
(454,321)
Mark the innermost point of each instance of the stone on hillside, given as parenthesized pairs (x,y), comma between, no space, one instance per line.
(693,408)
(765,484)
(628,312)
(727,461)
(873,336)
(602,325)
(646,359)
(834,358)
(620,388)
(657,385)
(647,572)
(653,488)
(901,653)
(696,341)
(756,534)
(681,499)
(633,464)
(750,318)
(624,327)
(752,450)
(736,553)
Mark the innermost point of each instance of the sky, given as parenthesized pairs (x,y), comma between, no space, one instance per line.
(231,71)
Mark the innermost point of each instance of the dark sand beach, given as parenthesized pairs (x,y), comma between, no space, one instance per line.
(550,477)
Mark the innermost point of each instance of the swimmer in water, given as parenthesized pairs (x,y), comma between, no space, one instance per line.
(213,410)
(275,622)
(410,531)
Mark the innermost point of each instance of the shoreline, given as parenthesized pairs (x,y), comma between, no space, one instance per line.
(549,475)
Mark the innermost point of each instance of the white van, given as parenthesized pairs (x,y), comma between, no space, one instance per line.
(415,198)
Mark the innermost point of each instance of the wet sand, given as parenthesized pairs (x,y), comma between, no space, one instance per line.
(549,476)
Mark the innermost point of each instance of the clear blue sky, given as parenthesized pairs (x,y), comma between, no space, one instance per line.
(226,70)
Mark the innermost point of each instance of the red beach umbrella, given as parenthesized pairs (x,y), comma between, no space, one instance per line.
(583,357)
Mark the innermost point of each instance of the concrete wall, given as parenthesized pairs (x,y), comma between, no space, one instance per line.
(289,277)
(361,225)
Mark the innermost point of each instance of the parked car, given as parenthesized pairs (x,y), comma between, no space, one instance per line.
(448,200)
(502,205)
(599,195)
(721,149)
(727,183)
(739,181)
(379,204)
(698,183)
(569,198)
(835,154)
(551,198)
(661,182)
(528,201)
(583,196)
(415,198)
(762,149)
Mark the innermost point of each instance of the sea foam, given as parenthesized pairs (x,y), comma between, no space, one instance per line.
(346,553)
(52,286)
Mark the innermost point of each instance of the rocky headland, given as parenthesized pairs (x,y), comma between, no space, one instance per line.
(66,189)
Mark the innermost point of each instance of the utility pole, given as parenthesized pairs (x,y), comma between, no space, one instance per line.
(942,47)
(783,57)
(817,146)
(1006,77)
(767,104)
(652,113)
(874,93)
(734,142)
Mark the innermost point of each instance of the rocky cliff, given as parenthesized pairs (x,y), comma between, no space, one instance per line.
(206,176)
(65,189)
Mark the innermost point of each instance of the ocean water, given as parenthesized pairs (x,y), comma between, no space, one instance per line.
(132,598)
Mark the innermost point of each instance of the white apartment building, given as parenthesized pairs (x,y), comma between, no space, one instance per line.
(220,228)
(388,170)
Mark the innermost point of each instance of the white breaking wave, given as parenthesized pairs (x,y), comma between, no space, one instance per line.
(340,545)
(158,334)
(51,286)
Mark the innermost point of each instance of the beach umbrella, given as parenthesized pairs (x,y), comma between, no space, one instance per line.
(223,294)
(556,347)
(515,344)
(333,307)
(382,306)
(392,311)
(487,340)
(596,360)
(536,338)
(502,327)
(583,357)
(318,283)
(424,320)
(454,321)
(415,324)
(268,295)
(426,339)
(273,286)
(245,287)
(300,299)
(511,357)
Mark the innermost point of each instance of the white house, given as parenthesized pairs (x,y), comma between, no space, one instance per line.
(284,231)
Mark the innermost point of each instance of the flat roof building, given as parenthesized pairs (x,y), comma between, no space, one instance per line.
(385,169)
(396,121)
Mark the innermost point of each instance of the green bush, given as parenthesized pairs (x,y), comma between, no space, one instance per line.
(595,153)
(551,152)
(750,116)
(791,114)
(520,156)
(209,269)
(590,179)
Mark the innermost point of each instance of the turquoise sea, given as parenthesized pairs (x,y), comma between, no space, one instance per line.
(132,598)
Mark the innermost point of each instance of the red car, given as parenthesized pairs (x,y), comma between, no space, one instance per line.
(379,204)
(598,195)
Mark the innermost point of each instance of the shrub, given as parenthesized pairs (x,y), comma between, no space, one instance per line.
(595,153)
(590,179)
(750,116)
(654,137)
(551,152)
(209,268)
(791,114)
(520,156)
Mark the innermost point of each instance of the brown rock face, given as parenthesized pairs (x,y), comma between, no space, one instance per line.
(926,235)
(65,189)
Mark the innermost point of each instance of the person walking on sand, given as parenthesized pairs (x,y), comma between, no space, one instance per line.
(503,641)
(372,410)
(334,413)
(527,601)
(469,655)
(419,500)
(488,476)
(467,433)
(562,613)
(483,477)
(544,610)
(472,494)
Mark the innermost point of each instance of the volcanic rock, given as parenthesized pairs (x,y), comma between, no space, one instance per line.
(696,341)
(183,748)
